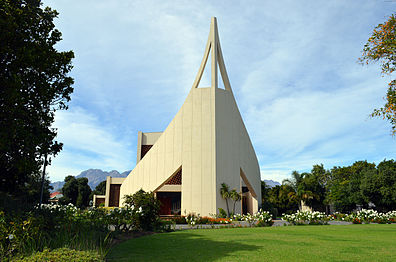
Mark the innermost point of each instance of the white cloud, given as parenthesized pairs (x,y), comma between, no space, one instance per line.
(87,144)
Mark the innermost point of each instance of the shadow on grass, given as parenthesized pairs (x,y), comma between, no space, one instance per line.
(177,246)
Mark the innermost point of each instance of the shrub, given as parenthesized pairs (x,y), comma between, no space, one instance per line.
(177,219)
(264,219)
(306,217)
(222,213)
(53,226)
(356,221)
(262,223)
(192,219)
(147,208)
(62,254)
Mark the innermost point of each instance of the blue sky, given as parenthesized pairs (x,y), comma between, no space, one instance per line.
(292,66)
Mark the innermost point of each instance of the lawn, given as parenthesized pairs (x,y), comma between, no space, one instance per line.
(292,243)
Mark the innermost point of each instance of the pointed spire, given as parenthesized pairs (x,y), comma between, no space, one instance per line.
(213,48)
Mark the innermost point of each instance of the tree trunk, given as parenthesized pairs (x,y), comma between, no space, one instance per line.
(228,209)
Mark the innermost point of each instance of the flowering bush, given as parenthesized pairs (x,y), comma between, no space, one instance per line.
(338,216)
(264,219)
(192,219)
(362,216)
(307,217)
(261,218)
(372,216)
(198,220)
(356,220)
(145,208)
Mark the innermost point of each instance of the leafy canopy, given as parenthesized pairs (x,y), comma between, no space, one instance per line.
(34,84)
(76,191)
(381,47)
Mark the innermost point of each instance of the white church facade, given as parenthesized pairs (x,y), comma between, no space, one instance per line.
(206,144)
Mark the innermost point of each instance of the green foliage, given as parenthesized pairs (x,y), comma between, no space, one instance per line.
(100,189)
(178,219)
(309,187)
(379,186)
(361,184)
(147,206)
(76,191)
(343,188)
(28,198)
(381,47)
(222,213)
(282,199)
(62,254)
(34,84)
(225,194)
(53,226)
(267,205)
(236,197)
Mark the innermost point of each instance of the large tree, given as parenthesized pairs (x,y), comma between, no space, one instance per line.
(381,47)
(76,191)
(344,190)
(379,186)
(34,83)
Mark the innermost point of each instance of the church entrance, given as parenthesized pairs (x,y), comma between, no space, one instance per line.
(170,203)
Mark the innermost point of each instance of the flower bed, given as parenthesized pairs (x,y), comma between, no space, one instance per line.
(307,217)
(261,218)
(320,218)
(371,216)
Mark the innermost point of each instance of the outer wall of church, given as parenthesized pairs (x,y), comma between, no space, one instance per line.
(208,139)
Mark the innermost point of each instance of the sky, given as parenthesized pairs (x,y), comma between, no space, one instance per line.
(293,67)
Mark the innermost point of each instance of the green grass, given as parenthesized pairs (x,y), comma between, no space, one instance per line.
(292,243)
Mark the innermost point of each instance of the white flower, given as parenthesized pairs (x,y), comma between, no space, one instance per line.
(11,236)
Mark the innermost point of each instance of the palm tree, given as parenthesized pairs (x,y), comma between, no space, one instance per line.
(300,194)
(225,194)
(235,196)
(295,181)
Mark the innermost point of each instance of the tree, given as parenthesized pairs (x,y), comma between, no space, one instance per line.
(225,194)
(344,189)
(279,197)
(34,84)
(379,185)
(381,46)
(295,181)
(100,189)
(267,205)
(76,191)
(235,196)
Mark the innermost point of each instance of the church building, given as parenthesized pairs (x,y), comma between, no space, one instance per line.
(206,144)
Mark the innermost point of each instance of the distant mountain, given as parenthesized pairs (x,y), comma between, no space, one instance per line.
(95,176)
(272,183)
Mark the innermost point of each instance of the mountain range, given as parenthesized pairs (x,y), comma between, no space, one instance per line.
(272,183)
(95,176)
